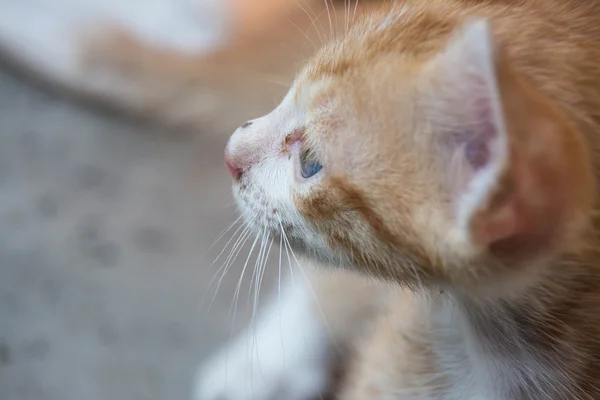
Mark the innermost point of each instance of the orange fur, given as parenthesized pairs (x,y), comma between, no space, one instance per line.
(548,79)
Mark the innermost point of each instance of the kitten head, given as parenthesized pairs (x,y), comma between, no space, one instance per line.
(415,153)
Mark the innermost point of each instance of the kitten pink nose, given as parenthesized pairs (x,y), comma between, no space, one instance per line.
(234,169)
(243,149)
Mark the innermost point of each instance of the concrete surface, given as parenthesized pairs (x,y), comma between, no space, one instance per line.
(104,269)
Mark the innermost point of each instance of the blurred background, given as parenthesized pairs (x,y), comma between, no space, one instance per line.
(106,223)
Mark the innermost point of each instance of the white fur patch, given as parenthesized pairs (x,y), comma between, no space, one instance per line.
(284,356)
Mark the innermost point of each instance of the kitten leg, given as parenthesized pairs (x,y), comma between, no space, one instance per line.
(287,351)
(292,350)
(397,359)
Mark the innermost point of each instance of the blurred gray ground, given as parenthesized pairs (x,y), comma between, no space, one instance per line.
(104,231)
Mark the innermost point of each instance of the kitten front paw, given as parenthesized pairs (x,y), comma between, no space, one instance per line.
(263,372)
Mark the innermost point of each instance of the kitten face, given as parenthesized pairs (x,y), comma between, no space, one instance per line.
(410,164)
(268,152)
(309,170)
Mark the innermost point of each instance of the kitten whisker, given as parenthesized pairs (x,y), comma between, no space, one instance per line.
(239,284)
(260,277)
(279,270)
(335,18)
(237,239)
(257,261)
(308,39)
(257,270)
(229,204)
(355,9)
(313,17)
(312,291)
(330,20)
(262,273)
(261,270)
(279,298)
(322,30)
(287,252)
(347,4)
(229,262)
(226,245)
(254,279)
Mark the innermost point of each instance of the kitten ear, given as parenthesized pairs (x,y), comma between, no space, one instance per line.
(517,172)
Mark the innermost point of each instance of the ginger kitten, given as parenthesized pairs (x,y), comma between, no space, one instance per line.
(448,149)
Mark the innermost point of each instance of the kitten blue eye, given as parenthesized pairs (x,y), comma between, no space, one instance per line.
(308,166)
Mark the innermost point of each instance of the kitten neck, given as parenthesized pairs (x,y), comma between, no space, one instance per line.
(543,342)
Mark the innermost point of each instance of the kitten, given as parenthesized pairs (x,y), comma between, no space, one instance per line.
(449,148)
(438,164)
